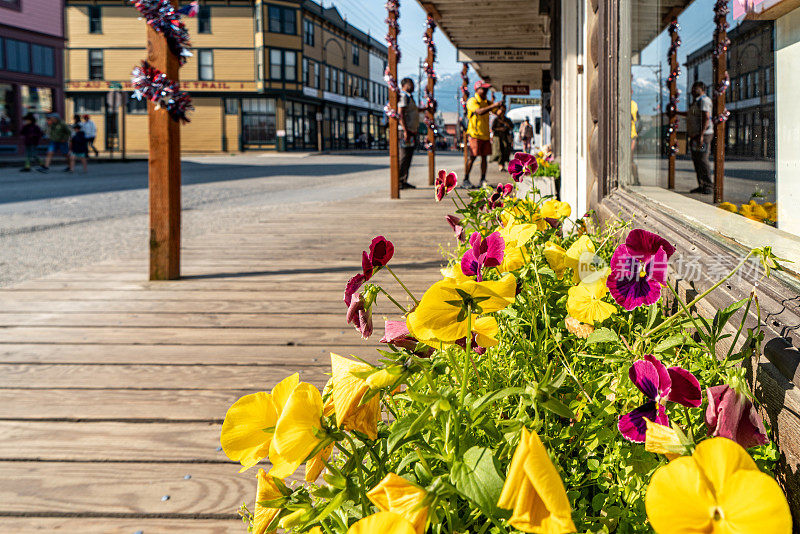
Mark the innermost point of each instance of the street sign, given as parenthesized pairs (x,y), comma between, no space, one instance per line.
(114,99)
(525,101)
(115,86)
(516,89)
(504,55)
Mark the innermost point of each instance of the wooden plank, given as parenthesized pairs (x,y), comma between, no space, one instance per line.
(214,491)
(118,404)
(111,525)
(184,320)
(255,378)
(182,294)
(263,355)
(164,170)
(112,441)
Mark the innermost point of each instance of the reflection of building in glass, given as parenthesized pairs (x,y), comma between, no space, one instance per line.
(750,99)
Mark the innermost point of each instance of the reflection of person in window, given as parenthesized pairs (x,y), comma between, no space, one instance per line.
(634,137)
(700,131)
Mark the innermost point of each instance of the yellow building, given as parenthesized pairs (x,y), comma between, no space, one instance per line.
(264,75)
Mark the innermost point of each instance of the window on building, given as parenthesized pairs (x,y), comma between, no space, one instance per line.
(316,75)
(276,64)
(95,19)
(88,104)
(283,20)
(756,84)
(42,60)
(17,56)
(205,64)
(768,80)
(355,53)
(135,106)
(204,19)
(289,65)
(308,32)
(283,65)
(328,79)
(2,54)
(259,123)
(10,4)
(306,73)
(231,106)
(95,64)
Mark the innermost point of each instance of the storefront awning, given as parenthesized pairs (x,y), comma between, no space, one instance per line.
(507,42)
(651,17)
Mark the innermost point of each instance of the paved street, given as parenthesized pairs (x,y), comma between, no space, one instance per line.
(56,221)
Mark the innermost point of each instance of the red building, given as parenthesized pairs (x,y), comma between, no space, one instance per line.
(31,65)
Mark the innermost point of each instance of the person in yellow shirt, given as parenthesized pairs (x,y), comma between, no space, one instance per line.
(478,109)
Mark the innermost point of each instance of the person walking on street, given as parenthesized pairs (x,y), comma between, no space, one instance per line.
(478,109)
(31,135)
(58,133)
(525,135)
(700,131)
(503,131)
(79,149)
(409,128)
(90,129)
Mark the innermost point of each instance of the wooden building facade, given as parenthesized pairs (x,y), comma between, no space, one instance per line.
(264,75)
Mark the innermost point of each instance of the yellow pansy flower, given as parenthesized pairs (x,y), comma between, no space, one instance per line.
(584,302)
(382,523)
(772,211)
(244,437)
(727,206)
(556,258)
(347,391)
(718,489)
(316,464)
(555,209)
(662,439)
(485,329)
(454,274)
(266,490)
(573,255)
(398,495)
(441,313)
(515,235)
(534,492)
(298,431)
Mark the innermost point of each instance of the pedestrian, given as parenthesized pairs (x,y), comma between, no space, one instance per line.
(480,145)
(526,135)
(31,135)
(79,149)
(409,126)
(700,131)
(58,133)
(503,131)
(90,129)
(76,120)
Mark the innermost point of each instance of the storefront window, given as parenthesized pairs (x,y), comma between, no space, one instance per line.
(259,123)
(750,178)
(8,112)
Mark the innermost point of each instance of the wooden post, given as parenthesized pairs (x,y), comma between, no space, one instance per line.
(164,171)
(464,97)
(672,107)
(429,112)
(394,152)
(720,65)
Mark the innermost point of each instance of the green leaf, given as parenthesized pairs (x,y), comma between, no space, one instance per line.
(486,401)
(602,335)
(397,437)
(478,478)
(558,408)
(672,341)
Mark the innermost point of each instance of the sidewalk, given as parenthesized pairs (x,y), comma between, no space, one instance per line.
(113,389)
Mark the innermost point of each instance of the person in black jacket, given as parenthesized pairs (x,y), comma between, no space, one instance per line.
(31,135)
(79,149)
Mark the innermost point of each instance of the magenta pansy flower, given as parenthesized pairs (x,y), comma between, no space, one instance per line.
(381,251)
(360,316)
(445,182)
(732,415)
(638,269)
(659,385)
(352,287)
(396,333)
(523,164)
(486,252)
(458,229)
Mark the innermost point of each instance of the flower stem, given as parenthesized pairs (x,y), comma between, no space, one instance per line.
(392,299)
(469,349)
(402,284)
(671,319)
(359,471)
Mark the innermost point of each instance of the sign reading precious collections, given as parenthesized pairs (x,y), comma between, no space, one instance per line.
(504,55)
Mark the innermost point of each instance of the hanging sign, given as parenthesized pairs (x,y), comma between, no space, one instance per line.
(504,55)
(516,89)
(526,101)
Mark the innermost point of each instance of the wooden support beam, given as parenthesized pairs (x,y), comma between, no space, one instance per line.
(672,86)
(394,140)
(464,95)
(720,65)
(429,112)
(164,171)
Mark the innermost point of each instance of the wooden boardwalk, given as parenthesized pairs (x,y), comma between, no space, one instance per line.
(113,389)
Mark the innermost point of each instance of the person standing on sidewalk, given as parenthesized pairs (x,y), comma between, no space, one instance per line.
(31,135)
(58,133)
(525,135)
(409,128)
(478,109)
(503,131)
(79,149)
(90,129)
(700,131)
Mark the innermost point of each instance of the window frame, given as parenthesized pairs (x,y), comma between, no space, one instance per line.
(25,69)
(282,19)
(204,19)
(355,53)
(309,32)
(102,63)
(205,52)
(15,5)
(80,108)
(48,57)
(95,16)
